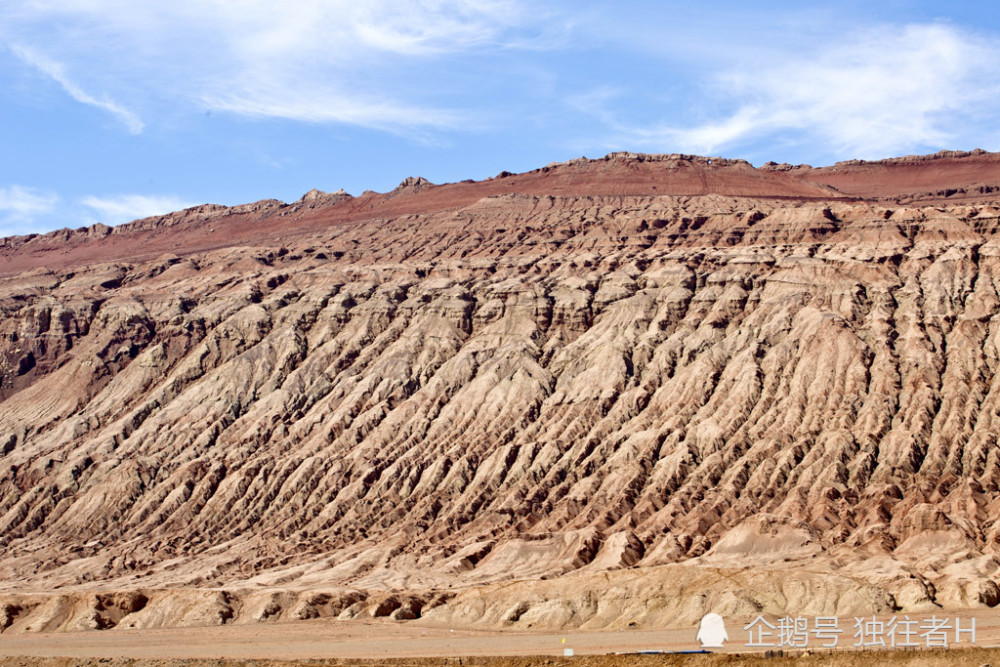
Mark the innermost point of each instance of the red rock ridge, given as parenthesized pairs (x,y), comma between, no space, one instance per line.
(942,177)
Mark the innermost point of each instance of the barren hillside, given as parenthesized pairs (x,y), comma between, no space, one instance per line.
(628,390)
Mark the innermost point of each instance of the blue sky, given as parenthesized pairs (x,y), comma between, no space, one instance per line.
(117,109)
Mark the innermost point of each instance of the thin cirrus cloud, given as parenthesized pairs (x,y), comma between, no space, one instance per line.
(18,202)
(314,60)
(57,72)
(825,83)
(20,206)
(124,208)
(871,94)
(284,101)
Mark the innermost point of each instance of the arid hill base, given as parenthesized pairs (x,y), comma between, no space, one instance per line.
(605,394)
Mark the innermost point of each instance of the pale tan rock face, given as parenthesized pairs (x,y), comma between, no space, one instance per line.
(565,411)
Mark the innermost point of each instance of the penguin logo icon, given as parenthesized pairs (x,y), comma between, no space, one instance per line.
(712,631)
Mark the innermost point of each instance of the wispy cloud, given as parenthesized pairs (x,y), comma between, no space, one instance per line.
(24,209)
(20,202)
(284,101)
(318,61)
(124,208)
(870,94)
(20,208)
(57,72)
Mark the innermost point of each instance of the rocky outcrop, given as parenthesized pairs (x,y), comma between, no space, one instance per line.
(942,179)
(530,410)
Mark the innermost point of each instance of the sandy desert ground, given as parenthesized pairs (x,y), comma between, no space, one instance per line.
(938,658)
(326,641)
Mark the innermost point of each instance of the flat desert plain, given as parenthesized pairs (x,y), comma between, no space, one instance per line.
(379,641)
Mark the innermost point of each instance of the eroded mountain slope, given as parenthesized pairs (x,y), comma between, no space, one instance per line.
(427,414)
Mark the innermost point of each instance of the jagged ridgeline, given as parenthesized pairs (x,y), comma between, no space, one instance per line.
(628,390)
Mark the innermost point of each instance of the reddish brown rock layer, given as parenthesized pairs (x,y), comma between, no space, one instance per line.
(402,415)
(946,176)
(949,175)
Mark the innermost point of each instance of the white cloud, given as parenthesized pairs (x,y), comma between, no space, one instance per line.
(57,72)
(22,203)
(365,63)
(124,208)
(24,210)
(283,101)
(870,94)
(20,208)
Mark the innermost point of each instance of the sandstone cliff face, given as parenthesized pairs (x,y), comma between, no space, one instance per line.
(527,410)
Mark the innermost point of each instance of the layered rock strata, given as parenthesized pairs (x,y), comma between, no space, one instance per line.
(527,410)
